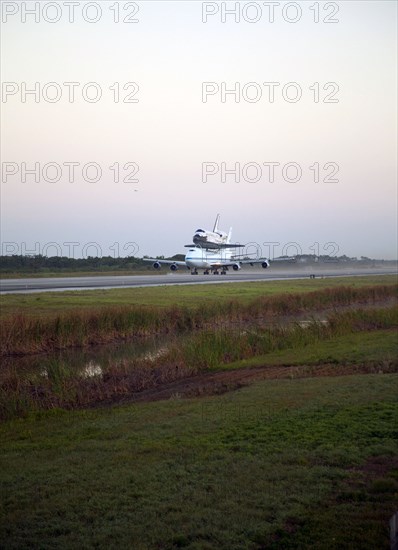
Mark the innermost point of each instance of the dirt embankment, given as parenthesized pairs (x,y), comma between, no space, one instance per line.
(217,383)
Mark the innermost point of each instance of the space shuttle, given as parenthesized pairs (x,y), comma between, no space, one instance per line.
(215,239)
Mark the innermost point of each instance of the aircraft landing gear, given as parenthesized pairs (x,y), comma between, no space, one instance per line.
(223,272)
(215,272)
(206,272)
(194,271)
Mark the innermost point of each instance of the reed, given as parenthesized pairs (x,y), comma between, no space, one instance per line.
(58,386)
(209,349)
(22,334)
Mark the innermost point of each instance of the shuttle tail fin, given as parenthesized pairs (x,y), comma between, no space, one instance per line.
(215,230)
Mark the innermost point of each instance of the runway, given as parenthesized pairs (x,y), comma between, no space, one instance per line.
(8,286)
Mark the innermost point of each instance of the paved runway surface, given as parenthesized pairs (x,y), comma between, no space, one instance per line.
(122,281)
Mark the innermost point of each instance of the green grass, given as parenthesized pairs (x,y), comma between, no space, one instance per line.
(375,347)
(204,350)
(213,349)
(31,331)
(169,295)
(279,464)
(282,464)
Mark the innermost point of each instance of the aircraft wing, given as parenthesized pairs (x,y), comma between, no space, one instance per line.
(261,260)
(254,261)
(233,262)
(165,262)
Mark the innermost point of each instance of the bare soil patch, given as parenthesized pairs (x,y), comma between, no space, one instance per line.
(217,383)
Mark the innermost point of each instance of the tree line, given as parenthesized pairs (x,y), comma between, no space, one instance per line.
(32,263)
(38,263)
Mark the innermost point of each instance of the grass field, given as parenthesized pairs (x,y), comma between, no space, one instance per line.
(288,464)
(366,338)
(168,295)
(377,347)
(292,463)
(25,329)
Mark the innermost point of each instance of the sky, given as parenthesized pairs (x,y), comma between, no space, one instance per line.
(128,125)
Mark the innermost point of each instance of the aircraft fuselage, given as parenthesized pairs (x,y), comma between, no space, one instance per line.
(198,258)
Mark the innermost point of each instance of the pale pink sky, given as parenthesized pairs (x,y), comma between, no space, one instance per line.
(170,132)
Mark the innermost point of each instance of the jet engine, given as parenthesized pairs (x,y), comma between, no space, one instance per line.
(265,265)
(156,265)
(173,267)
(236,267)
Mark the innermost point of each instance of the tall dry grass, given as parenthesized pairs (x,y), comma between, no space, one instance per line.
(22,334)
(59,386)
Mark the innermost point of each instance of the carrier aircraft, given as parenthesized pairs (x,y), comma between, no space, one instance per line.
(212,252)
